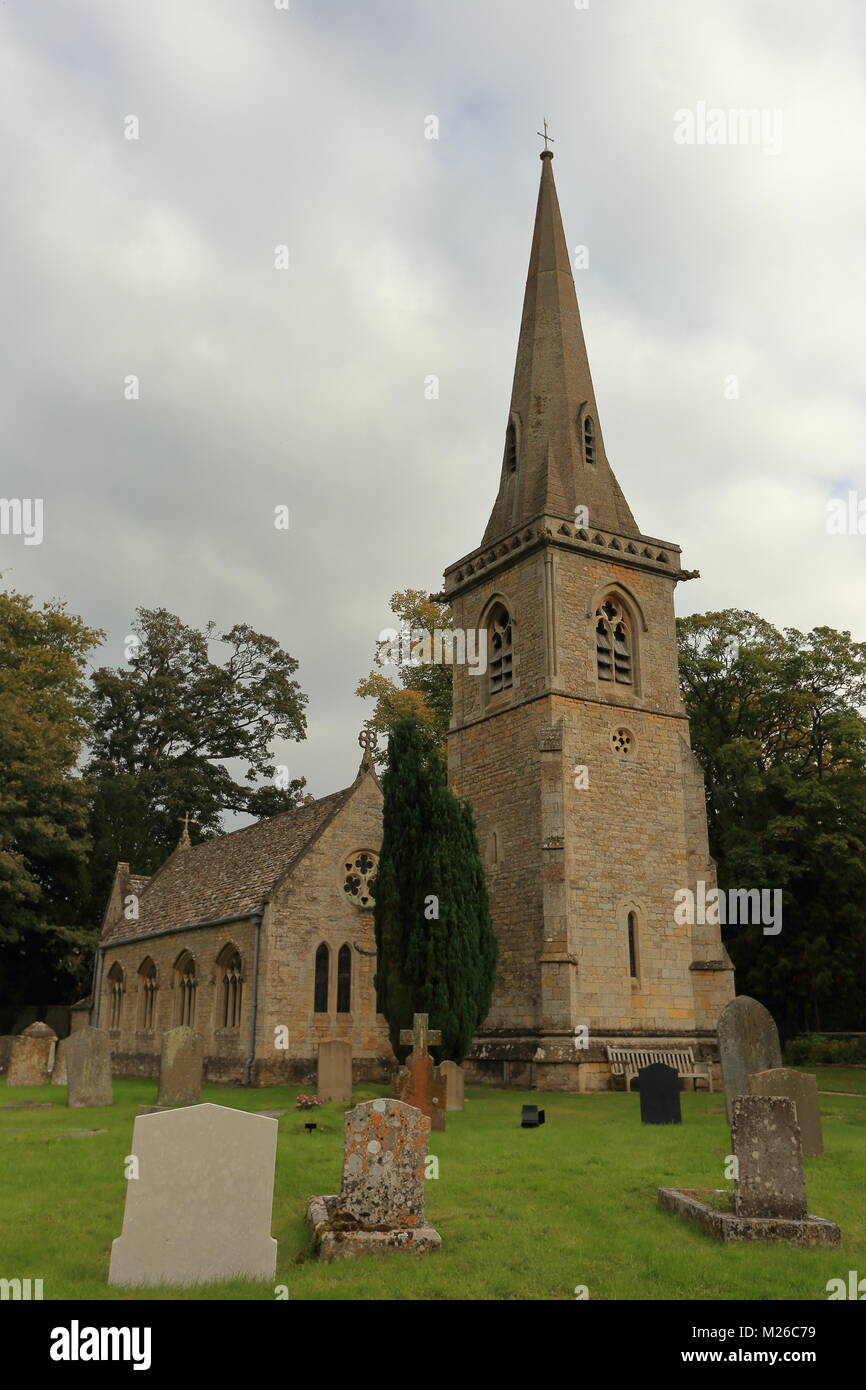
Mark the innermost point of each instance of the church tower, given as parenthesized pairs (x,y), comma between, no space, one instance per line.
(573,746)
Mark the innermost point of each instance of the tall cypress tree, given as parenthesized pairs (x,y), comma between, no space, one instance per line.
(436,949)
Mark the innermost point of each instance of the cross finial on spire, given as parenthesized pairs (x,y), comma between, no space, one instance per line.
(545,137)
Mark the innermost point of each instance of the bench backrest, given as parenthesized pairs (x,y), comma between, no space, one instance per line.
(680,1058)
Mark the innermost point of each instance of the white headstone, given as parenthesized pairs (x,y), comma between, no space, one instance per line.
(200,1209)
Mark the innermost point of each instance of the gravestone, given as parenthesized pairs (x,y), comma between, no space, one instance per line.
(334,1072)
(385,1148)
(802,1089)
(200,1209)
(421,1082)
(531,1117)
(180,1067)
(766,1143)
(59,1075)
(5,1048)
(748,1043)
(88,1068)
(454,1085)
(31,1056)
(659,1088)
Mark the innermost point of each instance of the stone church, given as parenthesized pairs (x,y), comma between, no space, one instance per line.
(573,748)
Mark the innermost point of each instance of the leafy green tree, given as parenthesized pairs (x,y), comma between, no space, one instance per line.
(776,723)
(168,729)
(436,949)
(43,805)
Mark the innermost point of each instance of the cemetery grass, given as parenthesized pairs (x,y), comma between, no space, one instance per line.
(523,1214)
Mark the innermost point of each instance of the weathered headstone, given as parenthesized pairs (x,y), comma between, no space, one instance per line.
(659,1087)
(180,1067)
(531,1117)
(802,1089)
(334,1073)
(380,1207)
(454,1085)
(766,1143)
(5,1048)
(199,1210)
(748,1042)
(31,1056)
(421,1082)
(88,1067)
(385,1148)
(59,1075)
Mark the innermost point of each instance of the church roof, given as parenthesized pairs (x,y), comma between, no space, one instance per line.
(545,470)
(230,876)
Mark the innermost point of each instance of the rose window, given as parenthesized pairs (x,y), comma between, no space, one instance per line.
(358,870)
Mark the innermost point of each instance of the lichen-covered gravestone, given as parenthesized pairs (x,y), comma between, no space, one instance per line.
(31,1056)
(180,1067)
(766,1142)
(334,1072)
(88,1068)
(454,1085)
(381,1202)
(802,1089)
(199,1209)
(748,1042)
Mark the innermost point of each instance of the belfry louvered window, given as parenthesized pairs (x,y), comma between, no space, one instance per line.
(501,652)
(613,644)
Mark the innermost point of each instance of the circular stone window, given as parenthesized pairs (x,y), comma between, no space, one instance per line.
(622,742)
(357,870)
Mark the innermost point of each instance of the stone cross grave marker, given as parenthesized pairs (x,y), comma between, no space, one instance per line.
(334,1071)
(748,1043)
(802,1089)
(31,1056)
(659,1087)
(88,1068)
(766,1142)
(180,1067)
(200,1208)
(423,1084)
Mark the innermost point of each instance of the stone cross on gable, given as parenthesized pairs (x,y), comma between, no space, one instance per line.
(419,1035)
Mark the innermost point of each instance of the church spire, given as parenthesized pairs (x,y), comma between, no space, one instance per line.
(554,451)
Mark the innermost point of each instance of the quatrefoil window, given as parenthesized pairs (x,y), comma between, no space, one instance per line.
(622,742)
(358,869)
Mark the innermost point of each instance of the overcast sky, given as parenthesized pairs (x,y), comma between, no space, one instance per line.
(260,127)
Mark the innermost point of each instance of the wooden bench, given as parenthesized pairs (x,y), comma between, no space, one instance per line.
(627,1062)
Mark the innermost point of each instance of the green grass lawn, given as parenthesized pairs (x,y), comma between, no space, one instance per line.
(523,1214)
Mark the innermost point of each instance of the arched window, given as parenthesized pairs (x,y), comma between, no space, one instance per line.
(589,439)
(631,925)
(500,650)
(511,447)
(323,971)
(230,989)
(344,980)
(146,994)
(613,643)
(115,995)
(185,983)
